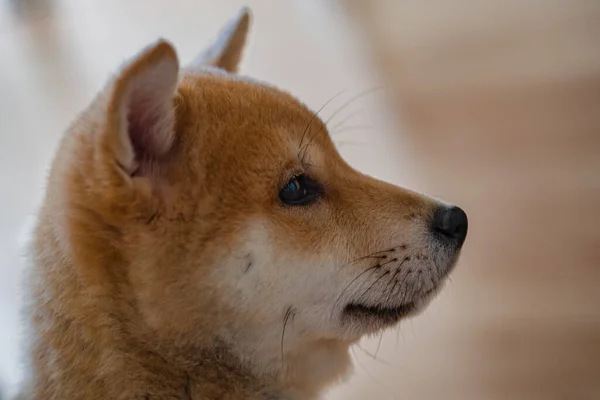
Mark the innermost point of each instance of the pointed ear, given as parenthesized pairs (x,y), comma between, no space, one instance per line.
(226,51)
(141,114)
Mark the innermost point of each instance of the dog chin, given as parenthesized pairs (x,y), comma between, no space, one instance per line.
(369,319)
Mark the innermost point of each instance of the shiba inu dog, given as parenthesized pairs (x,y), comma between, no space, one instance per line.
(201,238)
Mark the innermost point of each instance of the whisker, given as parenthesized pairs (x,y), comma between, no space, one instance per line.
(389,262)
(315,116)
(398,270)
(351,128)
(390,391)
(393,288)
(340,143)
(381,265)
(378,346)
(350,284)
(372,255)
(391,292)
(352,100)
(288,312)
(374,357)
(375,255)
(373,284)
(304,149)
(346,119)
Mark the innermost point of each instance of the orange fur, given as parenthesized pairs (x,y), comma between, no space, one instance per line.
(164,265)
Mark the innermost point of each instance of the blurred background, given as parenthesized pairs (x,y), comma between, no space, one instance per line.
(493,105)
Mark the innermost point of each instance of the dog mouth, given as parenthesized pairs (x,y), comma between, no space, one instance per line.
(383,314)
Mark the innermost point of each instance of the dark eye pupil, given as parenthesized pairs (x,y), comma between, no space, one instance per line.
(297,191)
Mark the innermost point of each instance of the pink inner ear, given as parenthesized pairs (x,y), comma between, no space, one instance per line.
(150,113)
(144,126)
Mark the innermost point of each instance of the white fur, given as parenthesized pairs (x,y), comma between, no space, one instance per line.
(313,289)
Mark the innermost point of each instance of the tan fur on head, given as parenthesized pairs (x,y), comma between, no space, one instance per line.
(170,260)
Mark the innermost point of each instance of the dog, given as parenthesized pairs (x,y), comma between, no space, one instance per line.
(201,238)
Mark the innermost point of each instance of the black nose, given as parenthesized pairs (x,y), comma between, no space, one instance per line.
(451,223)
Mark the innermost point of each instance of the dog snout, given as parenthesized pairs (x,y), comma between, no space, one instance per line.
(450,224)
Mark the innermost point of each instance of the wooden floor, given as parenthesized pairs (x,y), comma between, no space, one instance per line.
(493,105)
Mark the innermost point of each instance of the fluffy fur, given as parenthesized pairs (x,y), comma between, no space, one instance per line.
(165,266)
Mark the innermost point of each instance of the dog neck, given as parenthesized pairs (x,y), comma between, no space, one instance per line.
(217,373)
(296,371)
(90,340)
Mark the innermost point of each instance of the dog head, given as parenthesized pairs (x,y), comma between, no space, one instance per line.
(236,218)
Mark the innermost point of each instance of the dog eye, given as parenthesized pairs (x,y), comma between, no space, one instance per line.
(298,191)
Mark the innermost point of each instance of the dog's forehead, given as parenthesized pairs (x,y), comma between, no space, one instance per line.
(209,71)
(225,93)
(242,111)
(237,127)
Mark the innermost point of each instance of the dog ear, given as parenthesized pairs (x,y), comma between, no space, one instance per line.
(226,51)
(141,113)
